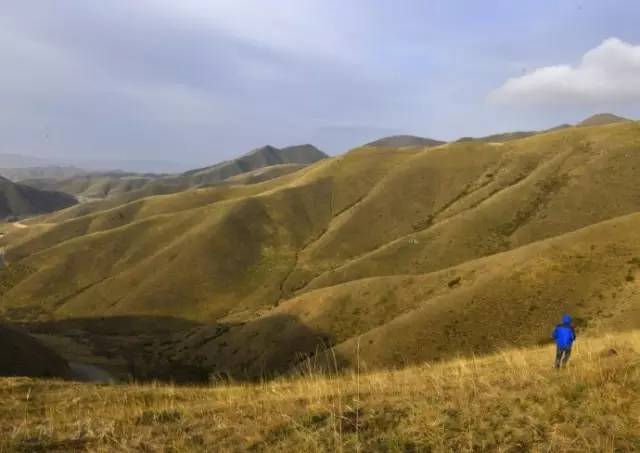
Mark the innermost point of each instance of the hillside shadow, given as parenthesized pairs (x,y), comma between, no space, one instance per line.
(113,325)
(159,348)
(129,348)
(270,347)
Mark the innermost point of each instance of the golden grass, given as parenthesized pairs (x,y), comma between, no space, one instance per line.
(512,401)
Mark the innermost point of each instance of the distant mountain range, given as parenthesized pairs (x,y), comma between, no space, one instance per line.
(594,120)
(41,172)
(100,185)
(265,156)
(401,141)
(12,160)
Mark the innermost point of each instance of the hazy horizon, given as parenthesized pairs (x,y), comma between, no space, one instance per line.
(195,83)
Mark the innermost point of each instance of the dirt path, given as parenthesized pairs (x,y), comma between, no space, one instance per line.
(19,225)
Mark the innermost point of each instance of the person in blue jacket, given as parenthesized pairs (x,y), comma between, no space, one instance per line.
(565,335)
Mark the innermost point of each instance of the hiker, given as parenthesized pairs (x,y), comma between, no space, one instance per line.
(565,335)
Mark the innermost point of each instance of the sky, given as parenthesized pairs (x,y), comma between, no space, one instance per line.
(196,82)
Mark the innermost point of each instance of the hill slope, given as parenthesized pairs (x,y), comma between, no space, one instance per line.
(376,244)
(131,186)
(23,355)
(18,200)
(513,401)
(258,158)
(93,185)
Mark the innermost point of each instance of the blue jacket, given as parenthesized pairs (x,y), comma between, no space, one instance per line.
(564,333)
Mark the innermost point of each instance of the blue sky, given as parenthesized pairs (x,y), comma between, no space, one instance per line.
(201,81)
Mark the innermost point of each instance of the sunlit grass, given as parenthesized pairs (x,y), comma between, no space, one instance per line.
(511,401)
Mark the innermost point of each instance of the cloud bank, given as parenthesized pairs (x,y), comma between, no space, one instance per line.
(607,74)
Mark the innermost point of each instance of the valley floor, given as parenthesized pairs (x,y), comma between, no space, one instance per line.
(513,401)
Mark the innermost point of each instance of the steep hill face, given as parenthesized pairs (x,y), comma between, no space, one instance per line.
(412,254)
(18,200)
(23,355)
(400,141)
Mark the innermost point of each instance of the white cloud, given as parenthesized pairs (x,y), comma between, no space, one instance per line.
(609,73)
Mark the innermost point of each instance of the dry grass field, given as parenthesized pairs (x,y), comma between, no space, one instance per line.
(511,401)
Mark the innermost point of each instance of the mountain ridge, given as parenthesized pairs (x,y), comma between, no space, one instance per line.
(370,244)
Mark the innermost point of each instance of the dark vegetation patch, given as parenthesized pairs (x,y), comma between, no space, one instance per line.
(49,445)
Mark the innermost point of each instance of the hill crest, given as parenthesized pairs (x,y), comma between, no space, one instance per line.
(600,119)
(400,141)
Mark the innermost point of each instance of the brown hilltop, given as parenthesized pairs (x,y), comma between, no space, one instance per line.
(600,119)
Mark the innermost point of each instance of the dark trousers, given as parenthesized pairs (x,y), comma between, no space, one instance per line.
(562,356)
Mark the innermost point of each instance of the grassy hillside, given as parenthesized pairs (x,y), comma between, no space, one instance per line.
(408,319)
(511,401)
(18,200)
(264,174)
(419,251)
(265,156)
(131,186)
(23,355)
(91,186)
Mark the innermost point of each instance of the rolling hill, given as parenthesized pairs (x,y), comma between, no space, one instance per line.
(92,186)
(401,141)
(130,186)
(19,200)
(403,255)
(265,156)
(600,119)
